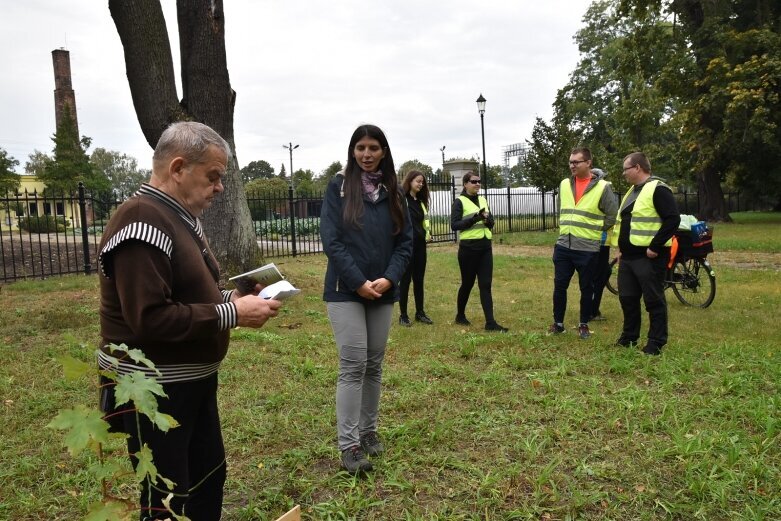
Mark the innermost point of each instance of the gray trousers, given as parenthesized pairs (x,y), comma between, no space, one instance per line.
(361,333)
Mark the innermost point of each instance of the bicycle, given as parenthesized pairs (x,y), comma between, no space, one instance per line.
(691,276)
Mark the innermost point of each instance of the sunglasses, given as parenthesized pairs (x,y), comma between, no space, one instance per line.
(474,181)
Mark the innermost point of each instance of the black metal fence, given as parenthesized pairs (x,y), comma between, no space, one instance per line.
(43,235)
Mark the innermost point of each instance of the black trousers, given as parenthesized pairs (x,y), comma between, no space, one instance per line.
(476,264)
(643,278)
(601,274)
(192,455)
(416,272)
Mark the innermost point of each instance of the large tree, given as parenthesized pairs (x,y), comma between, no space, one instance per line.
(414,164)
(322,180)
(257,170)
(613,100)
(729,113)
(9,179)
(546,162)
(121,171)
(207,97)
(69,163)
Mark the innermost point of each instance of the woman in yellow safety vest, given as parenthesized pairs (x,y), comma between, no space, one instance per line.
(471,217)
(416,191)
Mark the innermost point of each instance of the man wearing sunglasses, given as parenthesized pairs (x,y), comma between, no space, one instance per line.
(470,217)
(587,207)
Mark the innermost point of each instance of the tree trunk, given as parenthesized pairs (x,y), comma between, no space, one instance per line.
(150,68)
(712,205)
(207,97)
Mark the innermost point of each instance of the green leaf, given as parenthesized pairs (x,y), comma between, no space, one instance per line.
(109,511)
(82,425)
(74,368)
(146,467)
(142,391)
(134,354)
(108,469)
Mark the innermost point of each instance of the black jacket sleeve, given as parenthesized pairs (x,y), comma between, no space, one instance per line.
(667,208)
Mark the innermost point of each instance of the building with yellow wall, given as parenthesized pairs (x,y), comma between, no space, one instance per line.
(30,201)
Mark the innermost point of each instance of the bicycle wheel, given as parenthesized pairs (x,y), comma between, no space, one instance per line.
(612,280)
(694,282)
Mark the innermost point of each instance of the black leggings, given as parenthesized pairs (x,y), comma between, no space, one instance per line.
(476,264)
(415,273)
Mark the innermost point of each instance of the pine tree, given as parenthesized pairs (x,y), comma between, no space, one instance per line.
(70,163)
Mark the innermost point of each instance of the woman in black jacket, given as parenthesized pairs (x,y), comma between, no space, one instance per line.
(366,234)
(416,191)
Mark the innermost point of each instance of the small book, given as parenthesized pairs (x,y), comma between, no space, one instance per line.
(265,275)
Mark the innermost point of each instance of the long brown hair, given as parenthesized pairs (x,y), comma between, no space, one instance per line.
(353,188)
(423,194)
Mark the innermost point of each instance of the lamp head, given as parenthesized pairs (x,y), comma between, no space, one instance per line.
(481,104)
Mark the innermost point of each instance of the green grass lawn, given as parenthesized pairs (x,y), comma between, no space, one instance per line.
(478,426)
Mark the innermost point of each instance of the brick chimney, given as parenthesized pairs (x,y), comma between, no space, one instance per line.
(63,89)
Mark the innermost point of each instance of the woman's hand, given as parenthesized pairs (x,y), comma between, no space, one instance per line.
(368,290)
(382,285)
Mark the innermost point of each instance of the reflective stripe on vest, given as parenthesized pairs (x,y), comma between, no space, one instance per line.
(479,229)
(645,221)
(584,219)
(426,221)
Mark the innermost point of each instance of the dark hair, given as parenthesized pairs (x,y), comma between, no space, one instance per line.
(353,187)
(638,158)
(467,176)
(423,195)
(585,152)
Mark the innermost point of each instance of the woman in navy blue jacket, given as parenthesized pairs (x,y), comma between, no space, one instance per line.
(367,236)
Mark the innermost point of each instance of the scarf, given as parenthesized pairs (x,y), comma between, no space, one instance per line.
(371,181)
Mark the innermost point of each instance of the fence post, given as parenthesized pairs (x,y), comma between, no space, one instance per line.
(84,234)
(292,202)
(453,192)
(544,219)
(509,210)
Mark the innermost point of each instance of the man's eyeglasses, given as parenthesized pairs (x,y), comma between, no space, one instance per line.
(474,181)
(576,163)
(629,168)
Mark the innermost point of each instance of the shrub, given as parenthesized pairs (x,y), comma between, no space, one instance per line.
(43,224)
(281,227)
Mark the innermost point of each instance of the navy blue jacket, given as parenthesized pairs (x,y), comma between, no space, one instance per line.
(369,253)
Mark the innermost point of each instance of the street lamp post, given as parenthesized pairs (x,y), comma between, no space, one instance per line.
(481,110)
(291,147)
(291,200)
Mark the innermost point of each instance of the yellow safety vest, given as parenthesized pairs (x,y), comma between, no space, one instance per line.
(645,221)
(426,221)
(479,229)
(584,219)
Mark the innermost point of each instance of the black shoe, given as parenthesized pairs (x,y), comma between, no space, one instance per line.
(625,342)
(493,326)
(461,319)
(354,460)
(583,331)
(556,329)
(652,349)
(597,317)
(371,444)
(404,321)
(422,317)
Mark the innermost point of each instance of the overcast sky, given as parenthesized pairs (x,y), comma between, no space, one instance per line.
(309,72)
